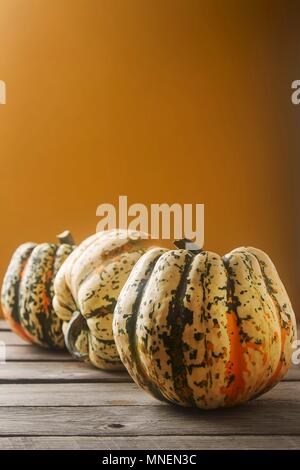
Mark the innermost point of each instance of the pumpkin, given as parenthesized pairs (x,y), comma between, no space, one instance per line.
(86,291)
(197,329)
(27,291)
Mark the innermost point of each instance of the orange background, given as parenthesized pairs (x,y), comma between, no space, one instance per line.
(161,100)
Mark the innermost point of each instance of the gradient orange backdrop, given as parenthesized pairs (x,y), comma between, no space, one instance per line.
(161,100)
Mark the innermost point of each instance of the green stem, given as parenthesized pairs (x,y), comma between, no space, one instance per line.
(182,245)
(66,237)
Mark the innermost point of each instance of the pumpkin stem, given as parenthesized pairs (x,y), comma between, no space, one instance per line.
(76,326)
(66,237)
(186,244)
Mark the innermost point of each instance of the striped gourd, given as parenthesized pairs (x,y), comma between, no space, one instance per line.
(86,291)
(197,329)
(27,291)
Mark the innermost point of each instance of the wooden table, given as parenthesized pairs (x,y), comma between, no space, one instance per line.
(49,401)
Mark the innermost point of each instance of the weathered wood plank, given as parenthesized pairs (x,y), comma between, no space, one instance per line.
(150,443)
(4,326)
(39,372)
(293,374)
(34,353)
(10,338)
(72,371)
(257,417)
(108,394)
(74,394)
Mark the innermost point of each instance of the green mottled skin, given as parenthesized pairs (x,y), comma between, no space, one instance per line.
(201,330)
(90,282)
(27,293)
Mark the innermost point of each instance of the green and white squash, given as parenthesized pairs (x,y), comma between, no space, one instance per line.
(197,329)
(86,291)
(27,291)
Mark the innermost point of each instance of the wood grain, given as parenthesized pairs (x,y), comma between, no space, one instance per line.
(150,443)
(4,326)
(293,374)
(33,353)
(257,417)
(10,338)
(50,401)
(108,394)
(39,372)
(75,394)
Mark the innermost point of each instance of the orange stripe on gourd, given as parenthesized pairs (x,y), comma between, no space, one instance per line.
(230,341)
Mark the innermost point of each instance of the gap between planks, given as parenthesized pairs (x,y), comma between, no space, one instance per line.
(108,394)
(19,370)
(256,417)
(150,443)
(70,371)
(12,339)
(51,372)
(31,353)
(115,411)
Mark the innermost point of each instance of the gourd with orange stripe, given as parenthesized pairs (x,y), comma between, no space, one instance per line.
(87,288)
(27,291)
(197,329)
